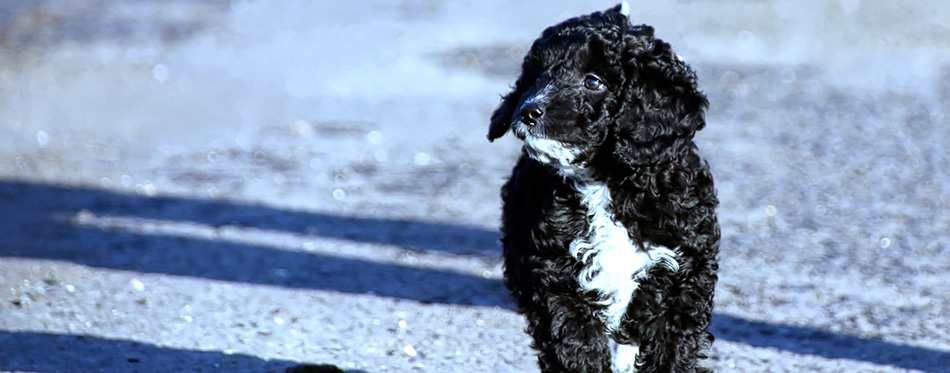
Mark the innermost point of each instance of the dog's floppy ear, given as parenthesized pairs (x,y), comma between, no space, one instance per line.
(662,106)
(501,118)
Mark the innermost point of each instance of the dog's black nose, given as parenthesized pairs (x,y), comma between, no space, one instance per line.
(531,113)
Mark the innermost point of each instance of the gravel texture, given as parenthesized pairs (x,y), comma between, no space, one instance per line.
(214,186)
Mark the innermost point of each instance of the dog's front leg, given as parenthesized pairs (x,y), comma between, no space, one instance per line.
(568,336)
(676,339)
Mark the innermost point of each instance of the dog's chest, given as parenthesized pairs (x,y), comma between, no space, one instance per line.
(614,265)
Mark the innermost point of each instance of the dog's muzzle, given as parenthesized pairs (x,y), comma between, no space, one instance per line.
(528,118)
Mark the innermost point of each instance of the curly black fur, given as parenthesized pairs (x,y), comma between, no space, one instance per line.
(627,109)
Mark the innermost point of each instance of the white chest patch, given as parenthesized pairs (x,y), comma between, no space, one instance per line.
(613,263)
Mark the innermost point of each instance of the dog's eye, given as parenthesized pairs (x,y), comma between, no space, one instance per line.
(594,83)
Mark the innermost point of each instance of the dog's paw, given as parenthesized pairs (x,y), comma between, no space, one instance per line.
(625,358)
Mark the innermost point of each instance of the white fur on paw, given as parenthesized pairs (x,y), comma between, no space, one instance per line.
(624,357)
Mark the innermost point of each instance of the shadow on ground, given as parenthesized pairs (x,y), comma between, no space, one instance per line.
(42,352)
(34,220)
(37,222)
(817,342)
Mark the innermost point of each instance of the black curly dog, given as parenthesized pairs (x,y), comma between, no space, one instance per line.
(609,222)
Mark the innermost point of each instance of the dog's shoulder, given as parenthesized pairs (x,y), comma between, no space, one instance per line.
(536,197)
(529,180)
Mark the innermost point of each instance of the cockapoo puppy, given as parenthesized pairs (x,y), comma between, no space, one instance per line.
(609,224)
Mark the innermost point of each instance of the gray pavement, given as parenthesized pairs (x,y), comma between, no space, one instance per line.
(214,186)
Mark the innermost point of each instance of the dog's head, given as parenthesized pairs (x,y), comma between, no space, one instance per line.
(596,86)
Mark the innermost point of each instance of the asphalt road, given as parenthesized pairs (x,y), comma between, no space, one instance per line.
(203,185)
